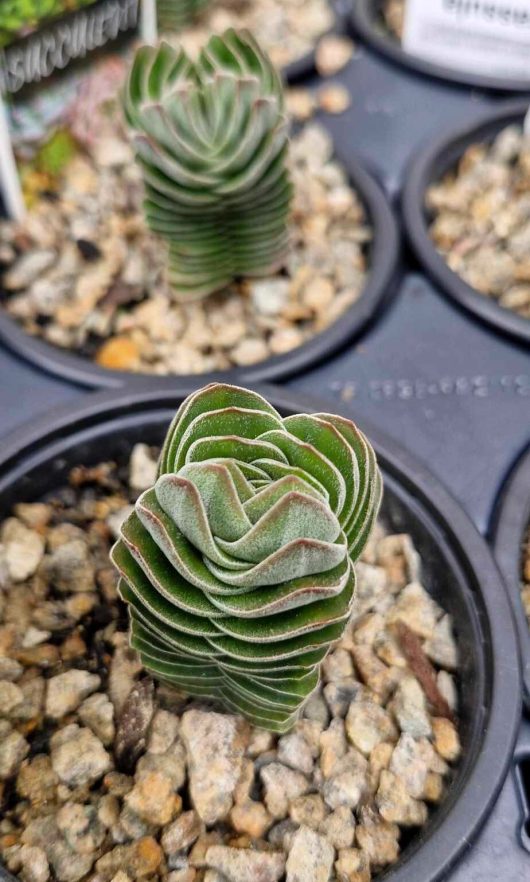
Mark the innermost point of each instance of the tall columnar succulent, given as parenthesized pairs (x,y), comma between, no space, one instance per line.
(237,565)
(211,139)
(173,15)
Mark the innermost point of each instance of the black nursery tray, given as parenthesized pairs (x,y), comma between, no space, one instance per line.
(452,390)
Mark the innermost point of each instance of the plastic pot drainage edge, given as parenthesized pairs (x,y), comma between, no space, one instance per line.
(366,21)
(383,272)
(428,166)
(510,522)
(459,569)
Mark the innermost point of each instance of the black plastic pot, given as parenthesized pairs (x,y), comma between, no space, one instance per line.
(458,570)
(384,258)
(510,522)
(367,22)
(430,166)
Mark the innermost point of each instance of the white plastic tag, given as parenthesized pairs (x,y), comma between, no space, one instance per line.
(486,37)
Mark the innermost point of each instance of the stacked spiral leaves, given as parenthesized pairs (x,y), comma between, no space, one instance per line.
(173,15)
(238,565)
(211,138)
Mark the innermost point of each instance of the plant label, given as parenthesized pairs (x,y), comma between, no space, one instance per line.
(486,37)
(57,60)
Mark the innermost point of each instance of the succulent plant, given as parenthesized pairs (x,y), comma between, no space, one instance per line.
(173,15)
(211,139)
(237,566)
(19,16)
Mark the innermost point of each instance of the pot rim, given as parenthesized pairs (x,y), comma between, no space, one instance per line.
(428,166)
(363,20)
(510,521)
(38,441)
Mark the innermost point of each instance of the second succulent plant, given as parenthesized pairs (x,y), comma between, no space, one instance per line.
(237,565)
(211,138)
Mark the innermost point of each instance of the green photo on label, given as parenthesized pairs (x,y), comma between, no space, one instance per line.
(19,18)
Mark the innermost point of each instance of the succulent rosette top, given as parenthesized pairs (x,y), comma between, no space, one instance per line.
(211,139)
(237,565)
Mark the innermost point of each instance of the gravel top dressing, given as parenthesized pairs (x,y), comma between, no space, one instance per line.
(481,219)
(106,775)
(84,273)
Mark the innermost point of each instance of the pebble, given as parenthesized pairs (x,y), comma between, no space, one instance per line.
(332,54)
(152,798)
(97,712)
(243,864)
(310,858)
(78,757)
(252,818)
(368,724)
(250,351)
(66,691)
(35,867)
(10,669)
(396,805)
(441,648)
(334,98)
(71,568)
(163,731)
(339,828)
(23,549)
(308,811)
(28,268)
(11,695)
(410,708)
(142,468)
(34,637)
(378,839)
(269,296)
(119,354)
(409,764)
(295,752)
(215,745)
(182,833)
(37,781)
(67,865)
(138,859)
(281,785)
(352,866)
(417,610)
(347,782)
(446,739)
(13,749)
(80,827)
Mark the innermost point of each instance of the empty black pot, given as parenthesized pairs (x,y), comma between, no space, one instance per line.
(367,21)
(458,570)
(383,259)
(430,166)
(510,522)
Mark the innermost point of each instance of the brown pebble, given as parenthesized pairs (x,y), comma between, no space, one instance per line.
(334,98)
(118,354)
